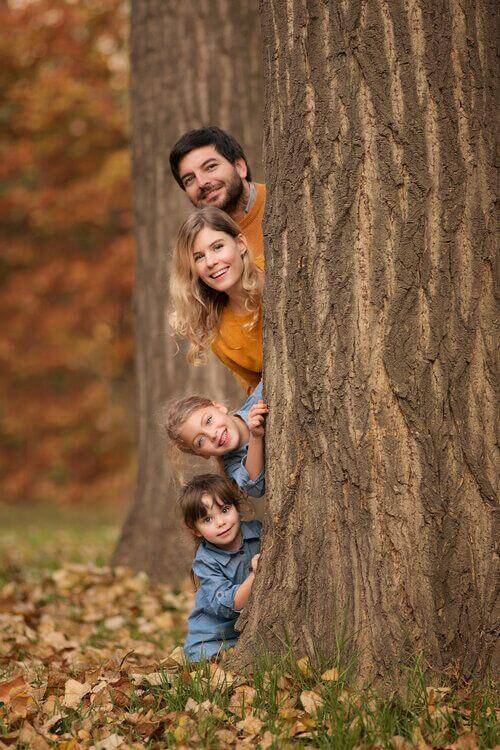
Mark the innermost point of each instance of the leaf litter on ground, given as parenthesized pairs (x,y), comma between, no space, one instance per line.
(90,658)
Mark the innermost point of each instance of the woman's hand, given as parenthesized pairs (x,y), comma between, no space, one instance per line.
(257,419)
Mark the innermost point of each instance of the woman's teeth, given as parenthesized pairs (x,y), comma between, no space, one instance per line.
(217,274)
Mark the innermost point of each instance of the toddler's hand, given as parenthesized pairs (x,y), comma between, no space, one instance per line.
(257,418)
(255,563)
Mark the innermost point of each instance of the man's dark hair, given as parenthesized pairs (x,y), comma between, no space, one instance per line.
(211,135)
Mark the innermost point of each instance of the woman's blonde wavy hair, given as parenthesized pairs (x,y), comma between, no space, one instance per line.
(197,308)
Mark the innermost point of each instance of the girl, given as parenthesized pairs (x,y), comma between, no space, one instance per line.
(205,428)
(225,563)
(216,291)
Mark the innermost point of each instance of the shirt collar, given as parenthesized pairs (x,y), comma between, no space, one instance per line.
(224,556)
(252,194)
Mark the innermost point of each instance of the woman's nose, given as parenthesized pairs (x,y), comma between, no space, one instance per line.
(210,258)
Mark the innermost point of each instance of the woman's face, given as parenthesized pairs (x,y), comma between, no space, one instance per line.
(218,259)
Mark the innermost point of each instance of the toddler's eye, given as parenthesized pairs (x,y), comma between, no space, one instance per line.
(207,520)
(225,509)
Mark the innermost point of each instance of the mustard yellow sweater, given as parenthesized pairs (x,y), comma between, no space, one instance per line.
(238,348)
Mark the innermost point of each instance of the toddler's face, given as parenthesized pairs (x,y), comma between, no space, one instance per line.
(221,525)
(211,431)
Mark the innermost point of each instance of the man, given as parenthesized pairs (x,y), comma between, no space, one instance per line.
(212,169)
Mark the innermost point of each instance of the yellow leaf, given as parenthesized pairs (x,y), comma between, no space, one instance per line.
(311,701)
(330,675)
(304,666)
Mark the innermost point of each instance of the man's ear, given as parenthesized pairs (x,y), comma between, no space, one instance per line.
(241,167)
(220,407)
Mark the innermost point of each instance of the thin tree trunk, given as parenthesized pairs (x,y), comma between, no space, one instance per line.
(193,63)
(379,319)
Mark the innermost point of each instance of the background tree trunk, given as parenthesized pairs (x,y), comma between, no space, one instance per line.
(379,314)
(193,63)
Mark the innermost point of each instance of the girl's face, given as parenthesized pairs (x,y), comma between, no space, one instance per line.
(211,431)
(218,259)
(221,525)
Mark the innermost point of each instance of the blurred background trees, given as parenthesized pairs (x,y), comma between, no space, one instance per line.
(66,253)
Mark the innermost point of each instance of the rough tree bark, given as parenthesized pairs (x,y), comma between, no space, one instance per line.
(379,319)
(192,63)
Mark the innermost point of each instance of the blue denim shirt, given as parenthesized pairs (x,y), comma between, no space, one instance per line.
(234,461)
(211,623)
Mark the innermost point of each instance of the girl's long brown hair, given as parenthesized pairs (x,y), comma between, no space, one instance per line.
(220,489)
(196,307)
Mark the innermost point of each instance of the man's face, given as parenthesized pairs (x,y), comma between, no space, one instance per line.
(209,179)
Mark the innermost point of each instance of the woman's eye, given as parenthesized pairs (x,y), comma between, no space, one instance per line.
(197,257)
(218,247)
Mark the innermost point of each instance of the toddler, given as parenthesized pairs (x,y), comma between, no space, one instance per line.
(225,563)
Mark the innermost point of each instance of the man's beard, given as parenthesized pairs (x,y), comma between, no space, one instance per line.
(233,196)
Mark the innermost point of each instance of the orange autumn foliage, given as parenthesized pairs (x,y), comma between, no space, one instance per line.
(66,252)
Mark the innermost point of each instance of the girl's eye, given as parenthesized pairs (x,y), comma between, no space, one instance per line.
(209,419)
(200,441)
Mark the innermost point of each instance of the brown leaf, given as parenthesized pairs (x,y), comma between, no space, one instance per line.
(74,691)
(11,688)
(250,725)
(28,736)
(465,742)
(311,701)
(400,743)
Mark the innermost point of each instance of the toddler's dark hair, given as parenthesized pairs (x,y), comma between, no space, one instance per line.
(220,489)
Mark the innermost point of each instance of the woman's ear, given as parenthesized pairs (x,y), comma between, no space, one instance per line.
(220,407)
(243,244)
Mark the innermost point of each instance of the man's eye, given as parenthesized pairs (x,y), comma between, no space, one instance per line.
(187,181)
(212,166)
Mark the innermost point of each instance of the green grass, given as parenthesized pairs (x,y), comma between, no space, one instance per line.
(35,540)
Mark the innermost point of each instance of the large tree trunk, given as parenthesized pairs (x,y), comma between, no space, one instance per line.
(379,314)
(193,63)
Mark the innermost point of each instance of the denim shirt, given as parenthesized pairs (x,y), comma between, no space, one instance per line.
(234,461)
(220,573)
